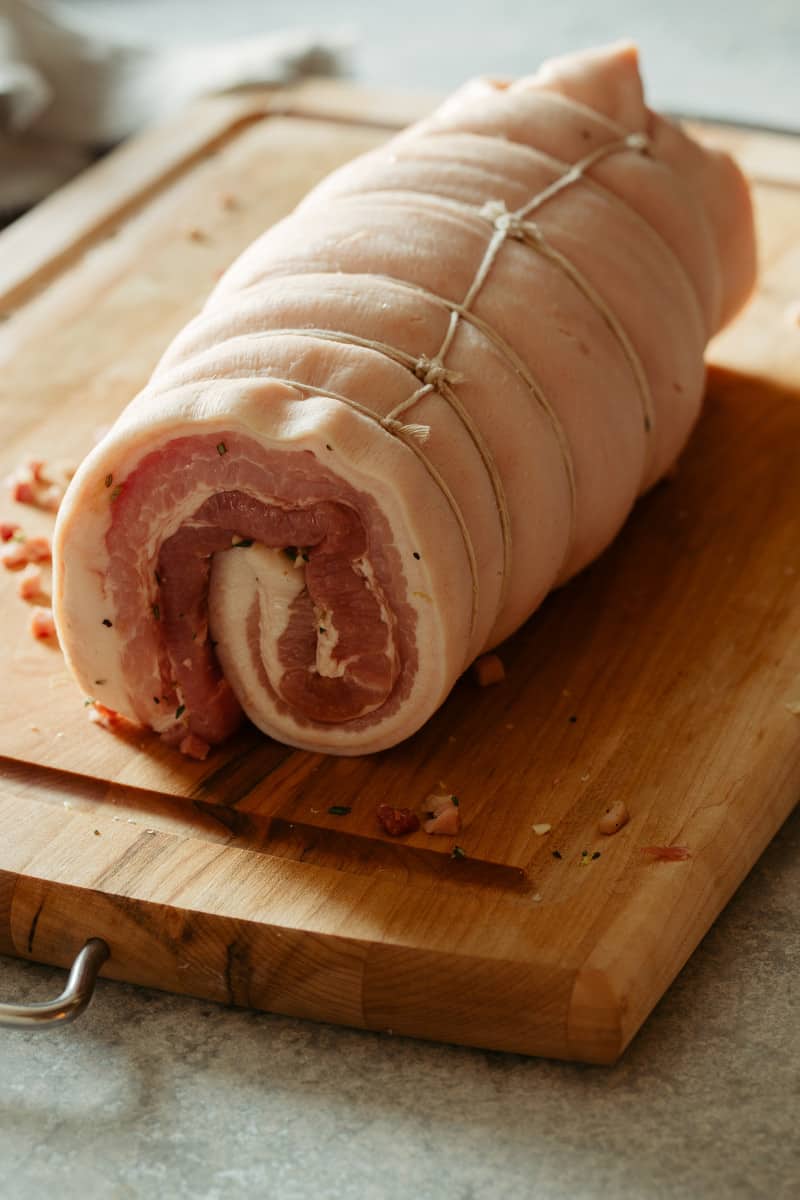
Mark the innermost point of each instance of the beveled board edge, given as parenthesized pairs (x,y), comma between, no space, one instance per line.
(239,927)
(248,929)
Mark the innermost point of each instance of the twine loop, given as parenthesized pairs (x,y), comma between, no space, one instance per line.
(638,141)
(434,376)
(419,433)
(508,223)
(433,373)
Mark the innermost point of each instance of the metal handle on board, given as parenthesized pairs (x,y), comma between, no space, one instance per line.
(74,999)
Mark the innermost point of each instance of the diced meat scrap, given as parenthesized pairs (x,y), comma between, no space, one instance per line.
(42,625)
(40,484)
(38,549)
(31,583)
(613,818)
(23,491)
(14,556)
(194,747)
(17,552)
(443,815)
(397,821)
(488,670)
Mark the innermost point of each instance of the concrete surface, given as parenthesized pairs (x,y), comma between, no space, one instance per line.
(155,1095)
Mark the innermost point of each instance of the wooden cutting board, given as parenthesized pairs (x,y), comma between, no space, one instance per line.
(663,676)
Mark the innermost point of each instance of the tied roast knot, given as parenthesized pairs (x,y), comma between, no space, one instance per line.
(433,373)
(504,221)
(638,141)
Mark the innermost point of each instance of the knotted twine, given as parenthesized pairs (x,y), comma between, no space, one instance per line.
(433,374)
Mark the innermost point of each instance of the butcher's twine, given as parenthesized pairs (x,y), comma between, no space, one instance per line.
(434,375)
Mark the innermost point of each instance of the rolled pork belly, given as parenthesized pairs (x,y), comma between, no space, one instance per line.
(405,414)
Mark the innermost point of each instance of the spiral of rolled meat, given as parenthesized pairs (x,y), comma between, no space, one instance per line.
(408,411)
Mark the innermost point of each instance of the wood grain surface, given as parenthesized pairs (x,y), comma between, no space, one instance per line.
(661,676)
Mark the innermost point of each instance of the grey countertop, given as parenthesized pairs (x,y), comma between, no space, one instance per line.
(725,58)
(156,1095)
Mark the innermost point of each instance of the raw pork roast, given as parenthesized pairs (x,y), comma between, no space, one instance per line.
(407,412)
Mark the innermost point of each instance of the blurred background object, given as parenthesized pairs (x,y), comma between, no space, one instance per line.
(84,73)
(75,80)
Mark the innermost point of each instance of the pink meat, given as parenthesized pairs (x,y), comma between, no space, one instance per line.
(31,584)
(18,553)
(445,378)
(444,816)
(42,625)
(194,747)
(174,628)
(40,484)
(397,822)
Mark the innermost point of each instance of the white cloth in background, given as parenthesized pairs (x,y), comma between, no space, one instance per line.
(65,91)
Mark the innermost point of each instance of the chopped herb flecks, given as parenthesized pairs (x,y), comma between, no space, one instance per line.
(106,622)
(156,612)
(221,448)
(596,855)
(416,554)
(458,852)
(116,492)
(109,479)
(87,703)
(100,682)
(322,629)
(339,810)
(243,544)
(156,700)
(454,801)
(556,854)
(179,711)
